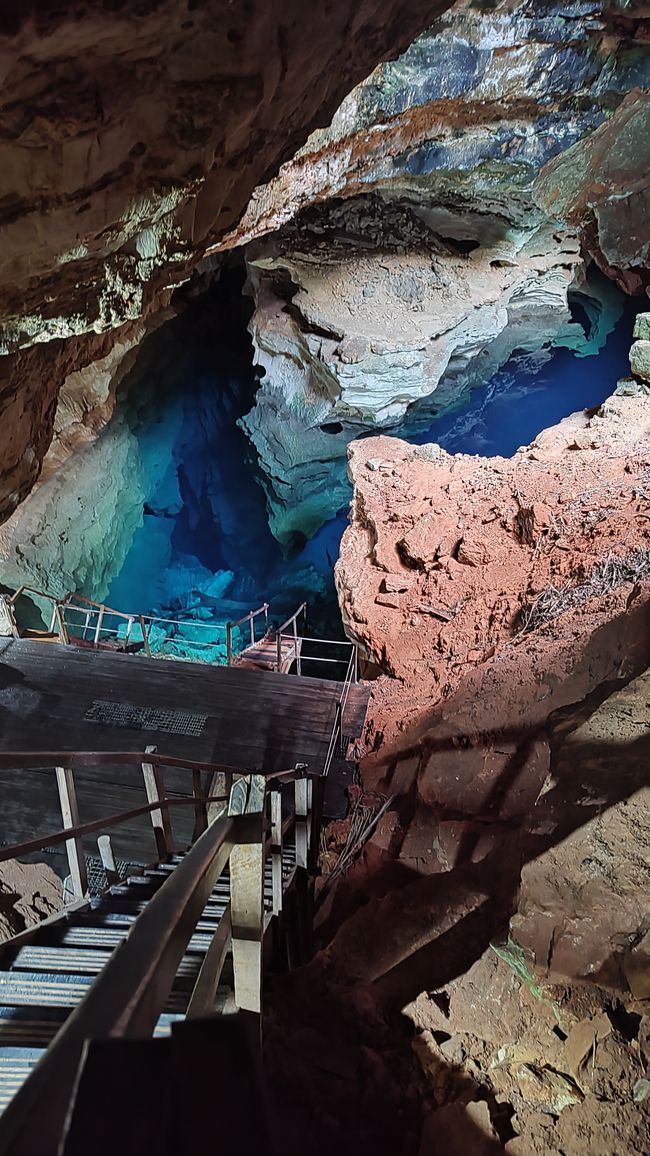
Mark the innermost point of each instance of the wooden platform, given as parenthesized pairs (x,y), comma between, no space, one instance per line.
(252,719)
(263,655)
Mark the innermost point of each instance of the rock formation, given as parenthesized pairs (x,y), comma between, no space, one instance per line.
(131,140)
(504,596)
(445,256)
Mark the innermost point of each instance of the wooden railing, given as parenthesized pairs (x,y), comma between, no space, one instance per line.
(250,618)
(76,619)
(131,992)
(289,630)
(157,806)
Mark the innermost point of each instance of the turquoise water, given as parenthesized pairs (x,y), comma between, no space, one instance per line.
(205,553)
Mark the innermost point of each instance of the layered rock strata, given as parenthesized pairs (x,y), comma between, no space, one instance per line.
(489,91)
(447,252)
(130,140)
(366,309)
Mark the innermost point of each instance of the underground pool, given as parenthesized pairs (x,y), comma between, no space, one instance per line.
(204,553)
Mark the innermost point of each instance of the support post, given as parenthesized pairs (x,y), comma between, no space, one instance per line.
(276,850)
(98,628)
(145,636)
(63,630)
(74,847)
(200,807)
(247,892)
(154,785)
(295,646)
(108,860)
(302,822)
(316,820)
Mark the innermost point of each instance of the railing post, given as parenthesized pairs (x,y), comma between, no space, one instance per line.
(316,818)
(200,807)
(7,617)
(221,784)
(247,892)
(251,623)
(302,822)
(74,847)
(108,859)
(266,617)
(98,628)
(295,646)
(279,649)
(63,630)
(154,785)
(276,850)
(229,643)
(145,637)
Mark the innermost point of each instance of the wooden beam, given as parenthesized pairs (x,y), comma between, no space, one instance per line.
(154,785)
(74,846)
(302,822)
(247,894)
(108,860)
(276,850)
(203,998)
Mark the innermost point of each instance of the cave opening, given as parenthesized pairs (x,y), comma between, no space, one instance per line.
(203,551)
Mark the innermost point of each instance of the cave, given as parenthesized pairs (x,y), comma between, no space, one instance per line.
(337,322)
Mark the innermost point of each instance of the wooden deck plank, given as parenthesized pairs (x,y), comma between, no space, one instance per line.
(256,719)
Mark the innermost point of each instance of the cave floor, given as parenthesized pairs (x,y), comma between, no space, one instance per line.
(246,719)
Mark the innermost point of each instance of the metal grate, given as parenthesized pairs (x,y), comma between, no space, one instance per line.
(122,714)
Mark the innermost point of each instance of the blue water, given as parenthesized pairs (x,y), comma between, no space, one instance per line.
(205,552)
(516,404)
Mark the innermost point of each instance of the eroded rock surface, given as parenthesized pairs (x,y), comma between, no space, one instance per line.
(29,892)
(602,185)
(367,309)
(442,259)
(130,140)
(478,541)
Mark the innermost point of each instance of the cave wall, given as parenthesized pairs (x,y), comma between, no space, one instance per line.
(412,246)
(131,138)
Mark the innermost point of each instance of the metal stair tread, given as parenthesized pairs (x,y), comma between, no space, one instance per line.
(68,961)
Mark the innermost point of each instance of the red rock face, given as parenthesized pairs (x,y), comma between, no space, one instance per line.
(473,542)
(129,141)
(504,735)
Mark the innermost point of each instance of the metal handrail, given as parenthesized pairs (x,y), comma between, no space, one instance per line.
(249,617)
(129,994)
(293,637)
(25,760)
(127,997)
(337,730)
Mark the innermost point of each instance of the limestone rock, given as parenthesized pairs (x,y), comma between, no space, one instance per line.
(131,142)
(636,967)
(601,184)
(395,583)
(391,600)
(640,359)
(641,330)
